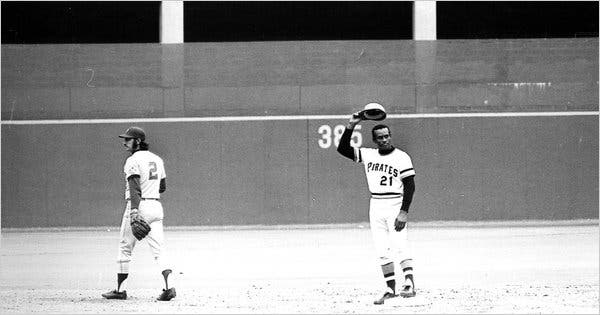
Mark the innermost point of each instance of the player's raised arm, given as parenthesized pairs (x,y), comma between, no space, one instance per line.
(344,148)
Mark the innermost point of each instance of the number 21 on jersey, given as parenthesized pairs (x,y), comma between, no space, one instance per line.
(386,181)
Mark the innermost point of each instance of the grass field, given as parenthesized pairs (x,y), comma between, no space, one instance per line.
(494,267)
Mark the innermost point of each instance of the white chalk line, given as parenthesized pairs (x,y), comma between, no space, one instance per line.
(288,117)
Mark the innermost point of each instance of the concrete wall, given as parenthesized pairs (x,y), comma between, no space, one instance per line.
(278,172)
(322,77)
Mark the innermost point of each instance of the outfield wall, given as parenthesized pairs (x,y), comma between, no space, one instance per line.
(277,171)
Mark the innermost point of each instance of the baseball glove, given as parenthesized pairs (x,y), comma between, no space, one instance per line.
(139,227)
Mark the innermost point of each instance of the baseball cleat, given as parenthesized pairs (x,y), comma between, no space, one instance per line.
(167,295)
(115,295)
(386,296)
(408,291)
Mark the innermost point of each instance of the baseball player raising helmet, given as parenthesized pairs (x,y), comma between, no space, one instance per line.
(390,177)
(145,180)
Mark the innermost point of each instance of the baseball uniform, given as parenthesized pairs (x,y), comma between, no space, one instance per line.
(150,168)
(384,177)
(390,175)
(145,180)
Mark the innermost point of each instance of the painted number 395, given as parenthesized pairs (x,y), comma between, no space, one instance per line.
(333,135)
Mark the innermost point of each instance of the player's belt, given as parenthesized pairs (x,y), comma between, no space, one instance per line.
(145,199)
(389,195)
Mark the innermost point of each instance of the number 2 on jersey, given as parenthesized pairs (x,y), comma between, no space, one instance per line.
(384,181)
(152,172)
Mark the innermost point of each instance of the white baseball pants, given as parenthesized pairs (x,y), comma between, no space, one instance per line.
(152,212)
(390,245)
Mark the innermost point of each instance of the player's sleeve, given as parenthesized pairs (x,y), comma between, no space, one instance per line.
(358,155)
(344,147)
(163,171)
(406,168)
(163,185)
(408,183)
(131,168)
(135,191)
(163,180)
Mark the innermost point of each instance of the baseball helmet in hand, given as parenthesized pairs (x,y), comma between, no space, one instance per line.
(372,111)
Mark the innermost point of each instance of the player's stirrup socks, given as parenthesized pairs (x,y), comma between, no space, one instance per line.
(120,278)
(407,269)
(388,275)
(166,274)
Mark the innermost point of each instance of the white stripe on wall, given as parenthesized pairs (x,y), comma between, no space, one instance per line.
(289,117)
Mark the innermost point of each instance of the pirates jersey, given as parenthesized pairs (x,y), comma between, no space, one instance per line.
(385,172)
(150,168)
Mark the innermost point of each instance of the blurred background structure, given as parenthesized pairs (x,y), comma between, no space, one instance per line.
(496,102)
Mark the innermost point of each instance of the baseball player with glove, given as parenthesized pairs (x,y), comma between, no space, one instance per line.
(390,177)
(145,180)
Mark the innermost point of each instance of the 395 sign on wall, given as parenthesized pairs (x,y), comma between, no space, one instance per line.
(332,135)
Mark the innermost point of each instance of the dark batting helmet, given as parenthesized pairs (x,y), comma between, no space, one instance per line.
(134,133)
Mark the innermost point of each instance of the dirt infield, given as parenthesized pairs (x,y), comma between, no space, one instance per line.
(494,268)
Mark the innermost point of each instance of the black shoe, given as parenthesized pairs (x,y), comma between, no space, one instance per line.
(167,295)
(408,291)
(115,295)
(386,296)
